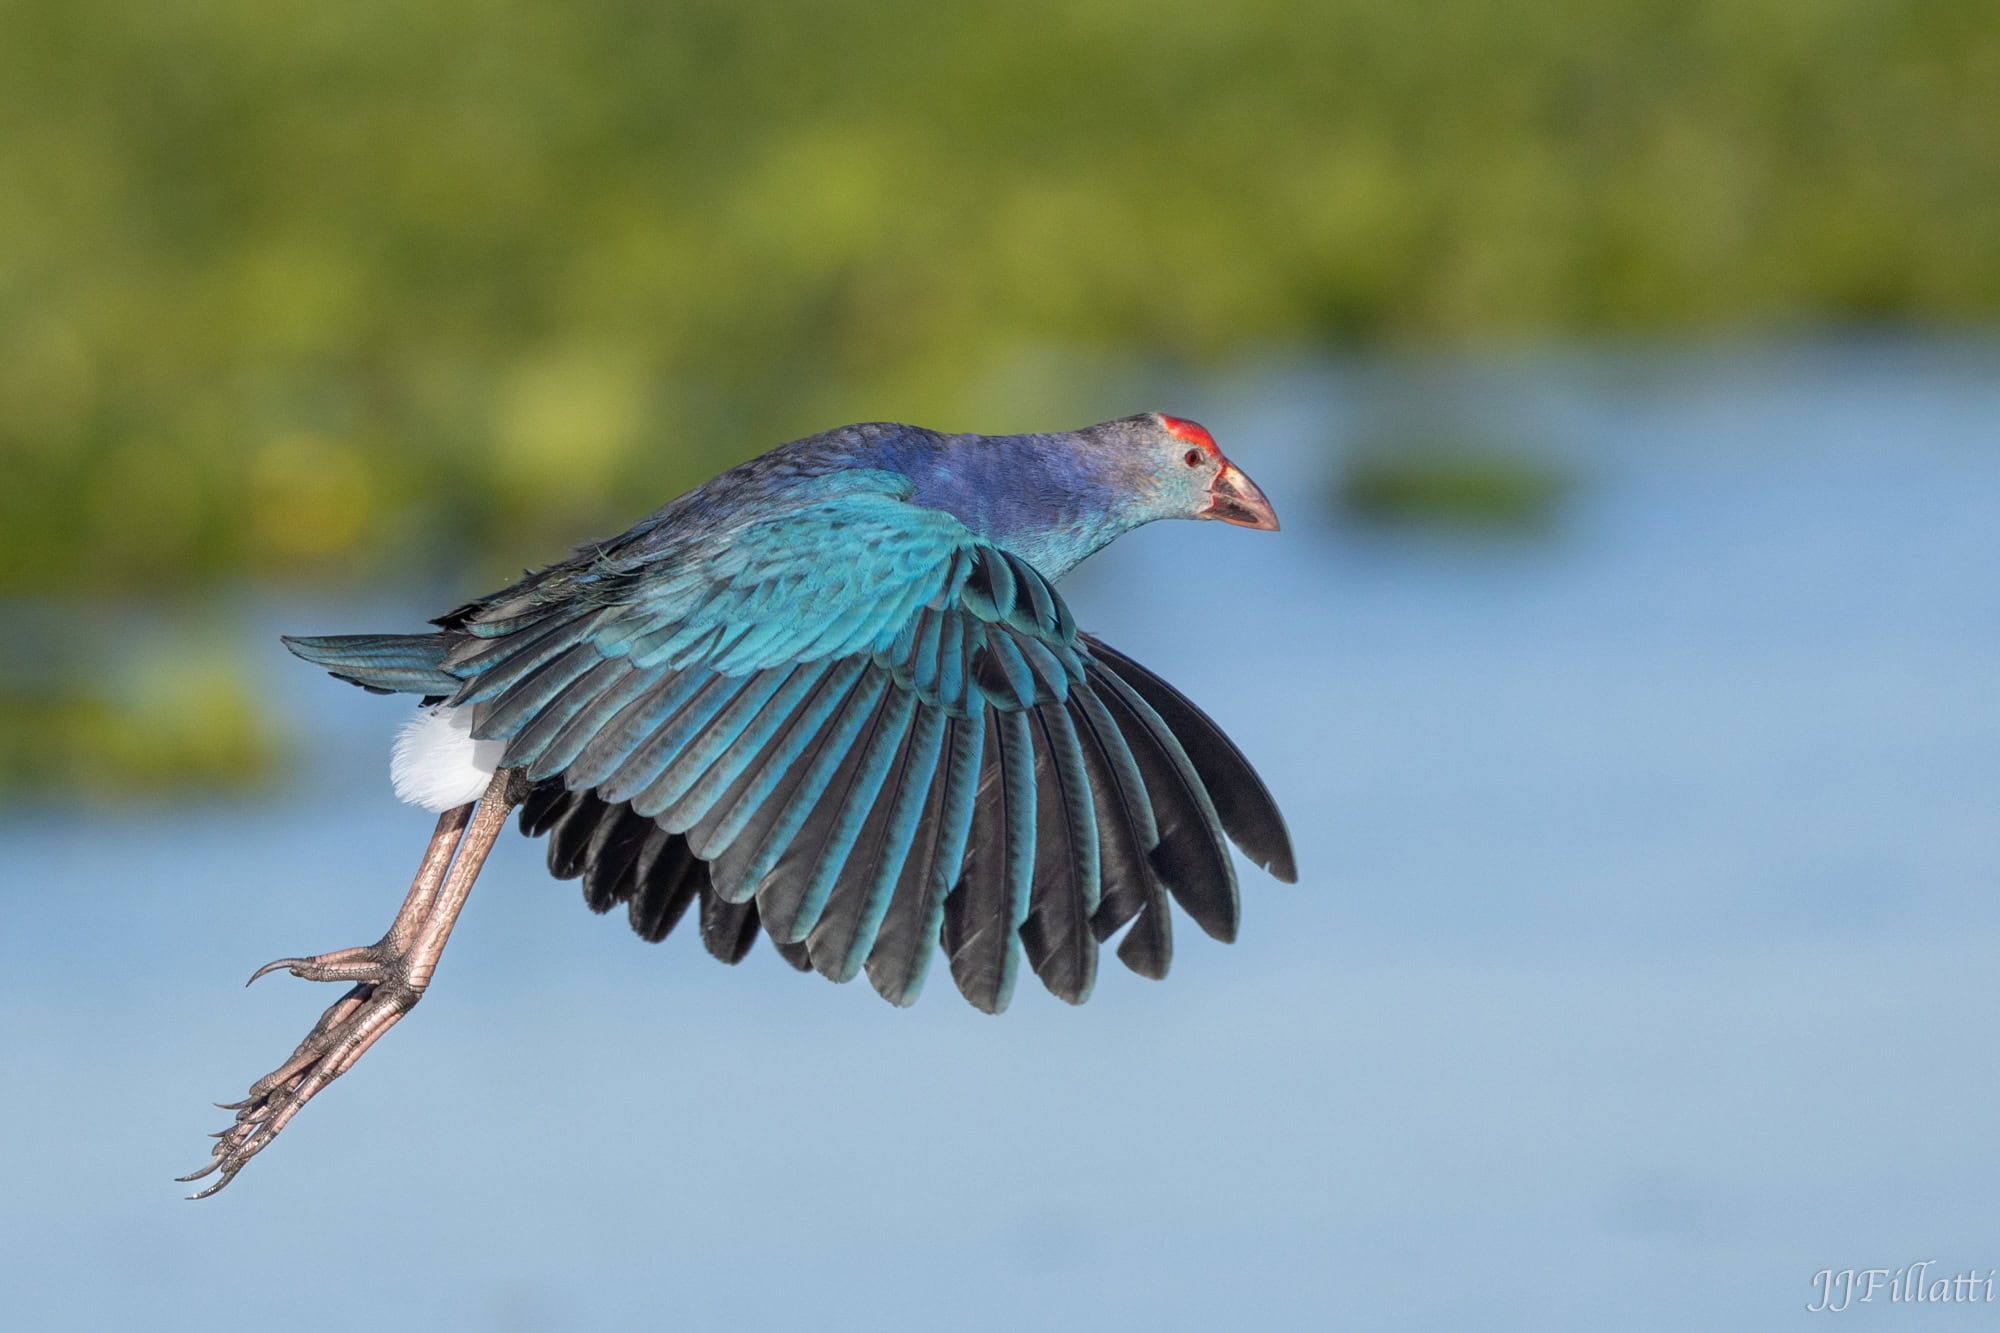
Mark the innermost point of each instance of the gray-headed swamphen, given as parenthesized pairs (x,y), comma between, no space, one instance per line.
(832,695)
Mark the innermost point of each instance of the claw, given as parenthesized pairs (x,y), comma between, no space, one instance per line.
(210,1191)
(273,966)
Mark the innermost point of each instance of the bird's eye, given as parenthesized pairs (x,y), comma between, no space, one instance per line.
(1192,458)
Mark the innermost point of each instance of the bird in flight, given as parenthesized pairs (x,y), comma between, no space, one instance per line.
(831,696)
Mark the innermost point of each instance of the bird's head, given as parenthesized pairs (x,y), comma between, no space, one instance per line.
(1055,498)
(1174,468)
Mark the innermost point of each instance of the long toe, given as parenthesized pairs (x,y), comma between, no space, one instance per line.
(364,962)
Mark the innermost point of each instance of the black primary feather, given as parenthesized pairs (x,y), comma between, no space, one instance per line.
(1056,935)
(1242,801)
(1190,855)
(846,931)
(983,915)
(909,932)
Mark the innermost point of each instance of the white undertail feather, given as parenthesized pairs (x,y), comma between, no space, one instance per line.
(437,764)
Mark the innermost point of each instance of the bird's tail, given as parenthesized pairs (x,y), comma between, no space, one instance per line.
(384,663)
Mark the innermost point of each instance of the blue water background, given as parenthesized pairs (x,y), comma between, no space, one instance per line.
(1643,961)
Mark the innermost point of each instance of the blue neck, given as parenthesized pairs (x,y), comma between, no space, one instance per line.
(1033,495)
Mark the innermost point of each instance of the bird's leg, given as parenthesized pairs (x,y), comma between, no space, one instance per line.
(389,978)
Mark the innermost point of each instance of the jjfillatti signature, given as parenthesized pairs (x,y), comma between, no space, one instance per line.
(1837,1288)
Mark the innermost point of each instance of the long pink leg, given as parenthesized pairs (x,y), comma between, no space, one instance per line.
(390,978)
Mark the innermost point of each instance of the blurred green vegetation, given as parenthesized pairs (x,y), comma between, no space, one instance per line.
(367,292)
(115,716)
(324,291)
(1451,485)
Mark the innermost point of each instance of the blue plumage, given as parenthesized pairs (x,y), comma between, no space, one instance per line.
(834,694)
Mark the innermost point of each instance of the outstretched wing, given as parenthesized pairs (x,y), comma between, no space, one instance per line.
(861,726)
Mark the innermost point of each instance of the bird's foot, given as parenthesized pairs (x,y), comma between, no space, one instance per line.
(342,1036)
(386,980)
